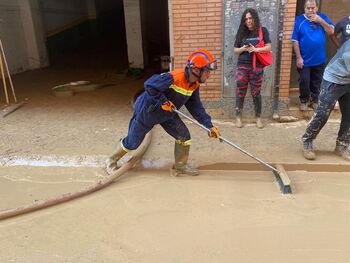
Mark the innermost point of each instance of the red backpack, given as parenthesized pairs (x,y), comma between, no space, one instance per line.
(264,58)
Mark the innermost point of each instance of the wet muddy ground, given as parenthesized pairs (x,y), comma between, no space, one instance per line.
(53,145)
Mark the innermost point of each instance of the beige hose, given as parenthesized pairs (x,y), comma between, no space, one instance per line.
(70,196)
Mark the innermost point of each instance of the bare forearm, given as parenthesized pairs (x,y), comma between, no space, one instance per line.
(266,48)
(327,27)
(296,49)
(238,50)
(335,41)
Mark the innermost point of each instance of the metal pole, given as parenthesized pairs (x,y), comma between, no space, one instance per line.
(228,142)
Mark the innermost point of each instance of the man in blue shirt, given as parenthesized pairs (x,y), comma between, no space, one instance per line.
(309,43)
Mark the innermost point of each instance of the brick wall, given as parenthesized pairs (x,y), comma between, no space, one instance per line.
(198,24)
(287,50)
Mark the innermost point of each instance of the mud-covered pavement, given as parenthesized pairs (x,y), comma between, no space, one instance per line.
(55,145)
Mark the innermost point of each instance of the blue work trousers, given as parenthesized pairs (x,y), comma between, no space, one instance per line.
(146,116)
(330,94)
(310,79)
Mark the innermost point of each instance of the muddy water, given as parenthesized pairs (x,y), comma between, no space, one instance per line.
(148,216)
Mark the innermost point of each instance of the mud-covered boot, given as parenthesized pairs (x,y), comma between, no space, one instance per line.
(239,123)
(303,107)
(308,151)
(314,105)
(259,123)
(181,157)
(112,162)
(343,151)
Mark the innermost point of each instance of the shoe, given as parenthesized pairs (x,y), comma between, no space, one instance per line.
(259,123)
(239,123)
(303,107)
(343,151)
(314,105)
(308,151)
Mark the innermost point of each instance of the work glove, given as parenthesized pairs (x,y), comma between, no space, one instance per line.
(214,133)
(168,106)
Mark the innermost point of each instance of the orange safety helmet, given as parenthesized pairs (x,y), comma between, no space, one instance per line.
(202,58)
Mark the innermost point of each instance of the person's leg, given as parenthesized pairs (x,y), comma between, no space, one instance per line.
(304,87)
(316,74)
(133,140)
(178,130)
(343,139)
(241,91)
(328,97)
(255,81)
(140,124)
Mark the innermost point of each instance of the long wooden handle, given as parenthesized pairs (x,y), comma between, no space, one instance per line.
(4,80)
(8,72)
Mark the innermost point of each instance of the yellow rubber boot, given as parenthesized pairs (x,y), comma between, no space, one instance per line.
(112,161)
(181,157)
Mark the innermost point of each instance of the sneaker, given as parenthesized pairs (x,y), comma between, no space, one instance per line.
(314,105)
(343,151)
(259,123)
(239,123)
(308,151)
(303,107)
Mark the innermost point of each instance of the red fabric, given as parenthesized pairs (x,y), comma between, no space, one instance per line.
(264,58)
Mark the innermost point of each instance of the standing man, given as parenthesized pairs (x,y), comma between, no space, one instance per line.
(162,94)
(335,87)
(309,43)
(342,28)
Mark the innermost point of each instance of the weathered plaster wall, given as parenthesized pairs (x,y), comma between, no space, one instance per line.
(21,31)
(133,33)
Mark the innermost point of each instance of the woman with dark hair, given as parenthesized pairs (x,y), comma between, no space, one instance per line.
(249,69)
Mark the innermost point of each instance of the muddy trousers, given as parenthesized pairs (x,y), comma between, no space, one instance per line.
(246,75)
(330,94)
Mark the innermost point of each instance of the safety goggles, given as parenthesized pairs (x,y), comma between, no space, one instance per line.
(212,66)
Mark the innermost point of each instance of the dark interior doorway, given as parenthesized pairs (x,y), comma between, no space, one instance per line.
(155,32)
(102,42)
(94,43)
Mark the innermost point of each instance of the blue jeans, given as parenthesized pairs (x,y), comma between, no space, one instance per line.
(310,79)
(330,94)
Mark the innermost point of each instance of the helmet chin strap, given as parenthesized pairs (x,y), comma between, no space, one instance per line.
(199,76)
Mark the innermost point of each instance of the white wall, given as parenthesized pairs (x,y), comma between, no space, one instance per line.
(33,33)
(133,33)
(22,28)
(12,36)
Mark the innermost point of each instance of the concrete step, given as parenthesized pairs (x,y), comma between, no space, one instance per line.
(294,105)
(296,112)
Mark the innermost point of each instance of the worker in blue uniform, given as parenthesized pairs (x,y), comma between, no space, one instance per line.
(163,93)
